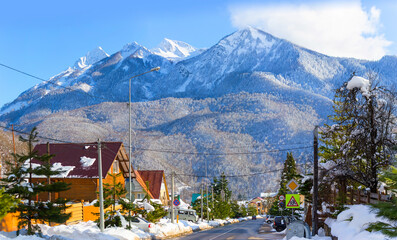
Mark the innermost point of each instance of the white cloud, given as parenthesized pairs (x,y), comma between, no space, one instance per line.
(335,29)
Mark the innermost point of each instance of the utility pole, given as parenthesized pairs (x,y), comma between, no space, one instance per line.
(13,139)
(315,183)
(208,214)
(212,197)
(49,178)
(201,199)
(172,196)
(101,214)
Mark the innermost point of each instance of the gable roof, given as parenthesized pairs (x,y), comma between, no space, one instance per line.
(142,182)
(81,158)
(155,178)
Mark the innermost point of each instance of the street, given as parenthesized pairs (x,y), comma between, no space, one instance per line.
(245,230)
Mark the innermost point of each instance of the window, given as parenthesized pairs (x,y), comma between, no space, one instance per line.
(116,166)
(140,196)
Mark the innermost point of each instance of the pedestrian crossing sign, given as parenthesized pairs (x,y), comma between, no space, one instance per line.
(292,200)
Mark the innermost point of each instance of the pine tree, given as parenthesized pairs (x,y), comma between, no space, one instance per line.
(222,195)
(6,203)
(25,191)
(387,210)
(289,172)
(112,193)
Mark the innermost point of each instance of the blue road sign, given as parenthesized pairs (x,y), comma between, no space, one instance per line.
(176,202)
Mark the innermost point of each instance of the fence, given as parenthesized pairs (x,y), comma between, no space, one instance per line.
(79,213)
(359,196)
(353,196)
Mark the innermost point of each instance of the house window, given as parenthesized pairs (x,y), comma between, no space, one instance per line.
(116,166)
(140,196)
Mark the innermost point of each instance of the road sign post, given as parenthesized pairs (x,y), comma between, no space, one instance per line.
(293,185)
(293,201)
(281,198)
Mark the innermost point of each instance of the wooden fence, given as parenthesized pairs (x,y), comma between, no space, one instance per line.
(359,196)
(353,196)
(79,213)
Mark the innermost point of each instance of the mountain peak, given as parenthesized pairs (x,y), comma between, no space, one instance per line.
(173,49)
(90,58)
(131,48)
(248,38)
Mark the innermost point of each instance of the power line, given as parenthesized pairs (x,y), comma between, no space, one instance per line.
(168,150)
(219,154)
(60,86)
(235,176)
(50,82)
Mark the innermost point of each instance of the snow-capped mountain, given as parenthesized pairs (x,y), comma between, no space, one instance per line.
(250,92)
(90,58)
(174,50)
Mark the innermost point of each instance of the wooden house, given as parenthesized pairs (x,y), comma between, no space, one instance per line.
(155,179)
(80,163)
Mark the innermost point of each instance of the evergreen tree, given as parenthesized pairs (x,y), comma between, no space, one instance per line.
(222,197)
(15,184)
(289,172)
(360,143)
(112,192)
(387,210)
(6,203)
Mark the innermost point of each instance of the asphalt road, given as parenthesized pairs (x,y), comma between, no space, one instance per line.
(251,229)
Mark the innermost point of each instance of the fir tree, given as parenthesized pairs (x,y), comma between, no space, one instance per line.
(289,172)
(6,203)
(112,193)
(387,210)
(222,197)
(25,191)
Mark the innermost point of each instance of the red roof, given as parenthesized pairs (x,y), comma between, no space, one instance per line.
(155,178)
(71,154)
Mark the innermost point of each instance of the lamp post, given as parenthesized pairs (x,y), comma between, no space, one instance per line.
(129,123)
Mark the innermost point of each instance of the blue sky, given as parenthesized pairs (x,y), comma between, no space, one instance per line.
(43,38)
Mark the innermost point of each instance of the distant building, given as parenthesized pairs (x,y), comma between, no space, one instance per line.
(156,183)
(257,203)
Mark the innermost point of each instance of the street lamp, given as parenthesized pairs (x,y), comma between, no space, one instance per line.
(129,123)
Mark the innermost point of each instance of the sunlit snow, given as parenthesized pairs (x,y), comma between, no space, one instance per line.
(86,161)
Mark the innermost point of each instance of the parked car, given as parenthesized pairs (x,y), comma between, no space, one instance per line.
(280,223)
(141,223)
(184,214)
(269,219)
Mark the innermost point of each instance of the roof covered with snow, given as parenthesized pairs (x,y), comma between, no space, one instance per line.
(81,159)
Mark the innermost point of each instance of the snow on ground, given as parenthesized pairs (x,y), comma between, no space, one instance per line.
(89,230)
(351,224)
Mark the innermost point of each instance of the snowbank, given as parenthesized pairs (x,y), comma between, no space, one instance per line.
(89,230)
(351,224)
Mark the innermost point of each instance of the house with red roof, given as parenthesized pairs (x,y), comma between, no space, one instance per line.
(79,163)
(155,180)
